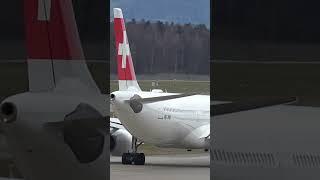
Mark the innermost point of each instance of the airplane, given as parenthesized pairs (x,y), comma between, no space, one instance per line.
(163,119)
(57,129)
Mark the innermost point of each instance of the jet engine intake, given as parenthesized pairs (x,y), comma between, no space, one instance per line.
(8,112)
(134,103)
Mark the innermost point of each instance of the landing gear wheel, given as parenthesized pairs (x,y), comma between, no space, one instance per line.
(134,157)
(126,158)
(139,159)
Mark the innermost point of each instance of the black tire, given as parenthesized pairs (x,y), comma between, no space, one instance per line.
(139,159)
(126,158)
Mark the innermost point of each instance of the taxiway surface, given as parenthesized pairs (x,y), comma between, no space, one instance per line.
(190,166)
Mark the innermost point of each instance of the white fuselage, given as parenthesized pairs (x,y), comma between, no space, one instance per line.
(169,123)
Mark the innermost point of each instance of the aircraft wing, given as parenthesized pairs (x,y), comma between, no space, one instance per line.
(227,108)
(219,102)
(159,98)
(224,107)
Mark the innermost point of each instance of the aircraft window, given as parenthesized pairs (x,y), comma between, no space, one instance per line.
(244,158)
(237,158)
(306,160)
(255,158)
(231,157)
(261,158)
(217,155)
(248,157)
(224,157)
(252,156)
(227,159)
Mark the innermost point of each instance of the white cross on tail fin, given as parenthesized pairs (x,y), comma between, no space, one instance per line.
(124,50)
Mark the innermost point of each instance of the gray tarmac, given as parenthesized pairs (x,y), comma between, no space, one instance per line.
(272,143)
(186,166)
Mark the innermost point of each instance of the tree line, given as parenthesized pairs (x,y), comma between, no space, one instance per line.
(266,30)
(158,47)
(267,20)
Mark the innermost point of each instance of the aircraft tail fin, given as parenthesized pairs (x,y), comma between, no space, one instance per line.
(55,56)
(126,74)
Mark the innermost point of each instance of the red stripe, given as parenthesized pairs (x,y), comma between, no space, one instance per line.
(54,39)
(128,72)
(119,25)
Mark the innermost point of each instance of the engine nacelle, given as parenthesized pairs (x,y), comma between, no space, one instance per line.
(120,142)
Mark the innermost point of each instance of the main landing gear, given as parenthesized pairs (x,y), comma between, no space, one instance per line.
(134,157)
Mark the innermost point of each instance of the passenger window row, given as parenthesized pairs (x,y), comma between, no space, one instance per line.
(306,160)
(261,159)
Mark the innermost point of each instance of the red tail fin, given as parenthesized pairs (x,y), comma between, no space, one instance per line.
(126,74)
(55,56)
(50,30)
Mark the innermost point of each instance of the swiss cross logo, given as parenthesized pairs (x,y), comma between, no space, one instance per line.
(124,50)
(44,10)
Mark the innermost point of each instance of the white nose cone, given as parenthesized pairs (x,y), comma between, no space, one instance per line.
(117,13)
